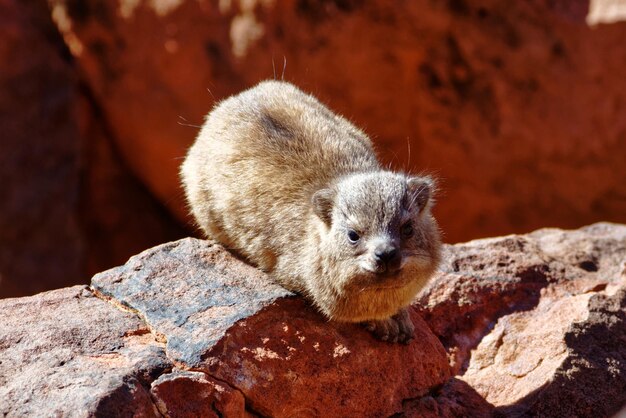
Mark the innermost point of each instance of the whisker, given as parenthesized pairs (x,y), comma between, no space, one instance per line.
(416,195)
(282,77)
(187,124)
(274,68)
(190,125)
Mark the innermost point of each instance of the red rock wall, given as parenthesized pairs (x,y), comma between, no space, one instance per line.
(39,157)
(518,107)
(68,206)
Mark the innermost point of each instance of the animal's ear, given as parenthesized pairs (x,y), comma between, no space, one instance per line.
(322,201)
(421,190)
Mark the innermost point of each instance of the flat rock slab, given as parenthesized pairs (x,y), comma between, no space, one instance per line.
(223,317)
(68,353)
(189,291)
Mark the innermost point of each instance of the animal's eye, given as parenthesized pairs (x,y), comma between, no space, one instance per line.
(353,237)
(407,230)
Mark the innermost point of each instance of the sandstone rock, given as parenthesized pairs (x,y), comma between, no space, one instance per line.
(225,318)
(39,160)
(190,292)
(518,106)
(533,322)
(186,394)
(591,379)
(533,325)
(455,399)
(67,353)
(330,369)
(61,179)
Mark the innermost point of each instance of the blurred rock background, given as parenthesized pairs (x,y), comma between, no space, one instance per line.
(518,107)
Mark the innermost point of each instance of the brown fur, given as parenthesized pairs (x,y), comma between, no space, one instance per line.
(277,177)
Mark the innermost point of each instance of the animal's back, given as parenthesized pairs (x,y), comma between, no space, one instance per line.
(257,161)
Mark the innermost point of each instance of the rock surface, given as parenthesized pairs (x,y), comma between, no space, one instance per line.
(533,322)
(229,321)
(39,157)
(194,394)
(68,353)
(518,106)
(190,292)
(528,325)
(61,178)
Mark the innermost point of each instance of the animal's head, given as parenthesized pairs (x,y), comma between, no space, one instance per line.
(378,235)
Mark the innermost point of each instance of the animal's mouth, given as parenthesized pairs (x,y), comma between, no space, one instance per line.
(386,280)
(388,273)
(386,287)
(383,271)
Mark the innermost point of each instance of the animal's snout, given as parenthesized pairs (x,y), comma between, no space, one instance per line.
(385,254)
(387,257)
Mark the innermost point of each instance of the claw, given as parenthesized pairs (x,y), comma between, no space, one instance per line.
(397,329)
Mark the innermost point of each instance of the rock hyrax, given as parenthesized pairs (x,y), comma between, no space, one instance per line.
(278,178)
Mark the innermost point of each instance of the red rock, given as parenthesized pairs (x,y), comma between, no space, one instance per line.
(68,206)
(534,325)
(67,353)
(455,399)
(194,394)
(231,322)
(39,157)
(532,322)
(519,107)
(329,369)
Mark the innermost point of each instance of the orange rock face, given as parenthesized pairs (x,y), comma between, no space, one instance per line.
(297,366)
(68,205)
(517,107)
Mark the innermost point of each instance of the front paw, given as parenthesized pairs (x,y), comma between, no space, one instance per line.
(399,328)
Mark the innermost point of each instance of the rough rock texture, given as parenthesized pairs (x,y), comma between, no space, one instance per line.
(61,180)
(68,353)
(537,323)
(533,325)
(330,369)
(190,292)
(213,326)
(455,399)
(194,394)
(518,106)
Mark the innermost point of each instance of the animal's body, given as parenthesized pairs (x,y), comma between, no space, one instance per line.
(297,190)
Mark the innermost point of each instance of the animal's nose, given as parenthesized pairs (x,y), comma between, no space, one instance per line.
(385,254)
